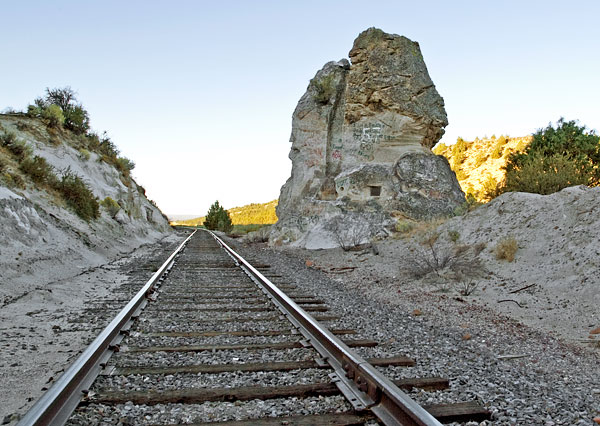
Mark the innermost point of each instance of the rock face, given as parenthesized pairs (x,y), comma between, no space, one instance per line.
(361,144)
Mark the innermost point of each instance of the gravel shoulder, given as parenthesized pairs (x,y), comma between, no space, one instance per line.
(523,374)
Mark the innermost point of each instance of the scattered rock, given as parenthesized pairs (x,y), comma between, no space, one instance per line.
(595,331)
(417,312)
(466,336)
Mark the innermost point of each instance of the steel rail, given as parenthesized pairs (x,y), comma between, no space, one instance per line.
(359,381)
(56,405)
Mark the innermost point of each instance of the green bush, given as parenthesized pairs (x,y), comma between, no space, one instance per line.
(14,180)
(404,226)
(84,154)
(545,175)
(218,218)
(111,206)
(8,138)
(557,157)
(53,116)
(38,169)
(76,119)
(107,148)
(490,189)
(453,235)
(60,108)
(78,196)
(20,149)
(324,89)
(124,165)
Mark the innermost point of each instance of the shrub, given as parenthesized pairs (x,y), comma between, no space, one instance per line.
(76,119)
(38,169)
(350,232)
(545,175)
(53,116)
(556,158)
(490,189)
(60,107)
(8,138)
(404,226)
(447,263)
(124,165)
(78,196)
(461,174)
(324,89)
(440,149)
(107,148)
(84,154)
(111,206)
(480,159)
(499,148)
(453,235)
(218,218)
(470,204)
(459,152)
(14,180)
(506,249)
(20,149)
(2,165)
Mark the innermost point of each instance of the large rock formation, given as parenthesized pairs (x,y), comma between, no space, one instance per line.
(361,146)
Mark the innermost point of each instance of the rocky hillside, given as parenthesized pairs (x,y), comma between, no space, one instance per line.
(63,207)
(479,164)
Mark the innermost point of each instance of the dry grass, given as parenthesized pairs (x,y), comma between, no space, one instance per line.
(506,249)
(409,228)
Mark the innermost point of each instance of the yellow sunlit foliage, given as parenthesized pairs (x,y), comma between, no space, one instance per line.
(251,214)
(479,164)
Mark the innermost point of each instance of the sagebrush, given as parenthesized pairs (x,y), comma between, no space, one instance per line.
(506,249)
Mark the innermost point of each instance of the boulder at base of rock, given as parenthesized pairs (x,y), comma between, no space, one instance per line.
(361,148)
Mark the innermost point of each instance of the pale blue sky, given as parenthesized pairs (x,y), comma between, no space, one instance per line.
(192,89)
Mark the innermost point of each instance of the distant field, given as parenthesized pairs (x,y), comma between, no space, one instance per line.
(251,214)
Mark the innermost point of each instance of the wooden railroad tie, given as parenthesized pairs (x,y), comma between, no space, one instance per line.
(251,346)
(399,361)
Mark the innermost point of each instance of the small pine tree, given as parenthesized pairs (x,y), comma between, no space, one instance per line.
(218,218)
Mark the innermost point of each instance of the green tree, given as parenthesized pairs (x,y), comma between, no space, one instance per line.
(557,157)
(218,218)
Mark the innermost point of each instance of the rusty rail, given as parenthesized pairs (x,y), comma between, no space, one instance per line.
(56,405)
(359,381)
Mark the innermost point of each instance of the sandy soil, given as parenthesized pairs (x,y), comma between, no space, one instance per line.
(553,284)
(47,328)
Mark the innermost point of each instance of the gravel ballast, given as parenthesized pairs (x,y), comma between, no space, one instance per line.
(523,376)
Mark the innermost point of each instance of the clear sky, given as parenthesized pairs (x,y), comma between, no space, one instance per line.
(200,94)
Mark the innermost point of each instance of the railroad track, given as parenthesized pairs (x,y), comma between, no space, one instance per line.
(211,338)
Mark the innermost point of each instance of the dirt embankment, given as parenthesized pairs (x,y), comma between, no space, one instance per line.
(552,284)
